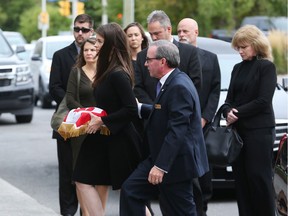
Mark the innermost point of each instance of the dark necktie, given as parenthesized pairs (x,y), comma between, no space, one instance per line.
(158,87)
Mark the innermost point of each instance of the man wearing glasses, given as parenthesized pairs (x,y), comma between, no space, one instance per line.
(174,136)
(62,62)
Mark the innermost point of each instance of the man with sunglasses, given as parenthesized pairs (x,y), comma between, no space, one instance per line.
(62,62)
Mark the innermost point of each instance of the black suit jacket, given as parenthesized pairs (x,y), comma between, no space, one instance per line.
(145,85)
(62,63)
(211,84)
(174,132)
(254,105)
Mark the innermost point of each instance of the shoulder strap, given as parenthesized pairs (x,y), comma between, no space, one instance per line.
(78,83)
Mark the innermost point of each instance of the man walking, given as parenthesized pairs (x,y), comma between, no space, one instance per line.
(174,135)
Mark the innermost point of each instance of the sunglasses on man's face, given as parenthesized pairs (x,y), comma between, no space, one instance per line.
(84,30)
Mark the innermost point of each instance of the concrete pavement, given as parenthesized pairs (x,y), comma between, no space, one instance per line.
(14,202)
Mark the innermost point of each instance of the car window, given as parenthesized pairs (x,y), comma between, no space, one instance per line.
(5,48)
(38,49)
(226,63)
(280,23)
(53,46)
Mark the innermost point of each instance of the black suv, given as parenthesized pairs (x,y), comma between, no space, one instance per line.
(16,84)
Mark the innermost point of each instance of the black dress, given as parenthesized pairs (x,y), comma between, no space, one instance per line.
(109,160)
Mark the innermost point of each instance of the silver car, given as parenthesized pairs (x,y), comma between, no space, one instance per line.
(40,64)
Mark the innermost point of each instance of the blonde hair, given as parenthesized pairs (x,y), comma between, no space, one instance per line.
(253,36)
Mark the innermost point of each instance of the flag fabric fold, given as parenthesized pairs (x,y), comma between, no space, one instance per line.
(76,121)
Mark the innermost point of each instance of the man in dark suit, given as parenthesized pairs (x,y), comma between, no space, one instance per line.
(209,97)
(160,28)
(62,62)
(174,135)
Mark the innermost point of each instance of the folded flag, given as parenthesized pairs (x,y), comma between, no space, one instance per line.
(76,121)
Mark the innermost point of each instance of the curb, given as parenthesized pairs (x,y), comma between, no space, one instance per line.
(14,202)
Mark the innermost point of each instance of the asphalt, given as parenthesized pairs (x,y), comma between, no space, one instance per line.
(14,202)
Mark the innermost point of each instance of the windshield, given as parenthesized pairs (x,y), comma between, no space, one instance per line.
(53,46)
(280,23)
(5,48)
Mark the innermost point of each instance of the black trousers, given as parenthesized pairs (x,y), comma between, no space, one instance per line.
(175,199)
(67,190)
(253,173)
(203,191)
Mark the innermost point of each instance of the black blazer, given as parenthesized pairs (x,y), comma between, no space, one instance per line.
(145,85)
(254,107)
(174,132)
(62,63)
(211,84)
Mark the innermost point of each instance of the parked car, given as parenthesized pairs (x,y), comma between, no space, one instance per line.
(16,86)
(264,23)
(280,178)
(228,57)
(15,38)
(267,24)
(41,64)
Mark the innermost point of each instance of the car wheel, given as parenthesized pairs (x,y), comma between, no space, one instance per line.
(24,118)
(45,103)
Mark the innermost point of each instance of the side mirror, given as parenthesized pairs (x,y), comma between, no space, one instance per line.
(20,49)
(285,83)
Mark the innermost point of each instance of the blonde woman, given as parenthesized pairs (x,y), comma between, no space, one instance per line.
(249,109)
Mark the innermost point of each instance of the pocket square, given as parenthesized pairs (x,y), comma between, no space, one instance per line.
(157,106)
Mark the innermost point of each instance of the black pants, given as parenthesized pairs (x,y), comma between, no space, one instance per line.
(175,199)
(253,173)
(67,191)
(202,189)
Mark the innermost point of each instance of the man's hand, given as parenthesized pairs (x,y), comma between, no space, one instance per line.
(155,176)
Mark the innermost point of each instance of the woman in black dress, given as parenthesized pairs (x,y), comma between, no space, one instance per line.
(109,159)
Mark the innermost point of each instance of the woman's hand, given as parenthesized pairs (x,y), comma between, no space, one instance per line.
(94,124)
(231,117)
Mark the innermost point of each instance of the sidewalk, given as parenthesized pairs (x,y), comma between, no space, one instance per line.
(14,202)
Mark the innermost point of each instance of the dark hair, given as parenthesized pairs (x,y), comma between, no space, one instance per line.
(145,41)
(84,18)
(114,53)
(80,62)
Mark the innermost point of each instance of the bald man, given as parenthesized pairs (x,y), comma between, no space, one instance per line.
(209,97)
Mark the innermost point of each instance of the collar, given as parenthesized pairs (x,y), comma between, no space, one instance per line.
(164,78)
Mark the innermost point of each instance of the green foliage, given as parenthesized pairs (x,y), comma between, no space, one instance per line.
(19,15)
(94,9)
(12,11)
(29,22)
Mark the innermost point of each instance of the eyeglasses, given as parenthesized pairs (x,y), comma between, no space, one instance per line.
(84,30)
(149,59)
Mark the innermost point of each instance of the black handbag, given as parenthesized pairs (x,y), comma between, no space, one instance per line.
(223,143)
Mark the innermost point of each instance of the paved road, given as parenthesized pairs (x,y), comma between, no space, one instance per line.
(29,175)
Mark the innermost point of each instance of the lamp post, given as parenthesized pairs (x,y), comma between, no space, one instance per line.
(128,12)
